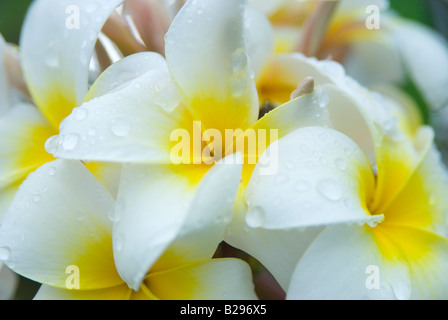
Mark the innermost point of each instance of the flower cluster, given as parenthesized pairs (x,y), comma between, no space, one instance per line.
(222,149)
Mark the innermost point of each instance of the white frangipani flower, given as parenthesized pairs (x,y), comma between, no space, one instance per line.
(132,110)
(58,231)
(394,51)
(55,57)
(369,192)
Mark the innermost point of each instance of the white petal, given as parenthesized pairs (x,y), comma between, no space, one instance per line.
(321,178)
(425,55)
(259,40)
(217,279)
(154,207)
(208,216)
(264,245)
(6,195)
(123,72)
(59,218)
(267,7)
(205,51)
(345,263)
(371,62)
(120,292)
(23,131)
(132,122)
(58,39)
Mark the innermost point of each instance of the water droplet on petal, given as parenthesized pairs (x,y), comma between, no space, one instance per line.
(120,128)
(51,145)
(70,141)
(51,60)
(372,223)
(5,253)
(255,217)
(80,114)
(341,164)
(237,86)
(119,241)
(330,189)
(36,197)
(91,132)
(239,60)
(51,171)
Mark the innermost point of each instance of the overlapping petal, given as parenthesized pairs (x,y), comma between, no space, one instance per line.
(64,201)
(127,118)
(56,52)
(199,281)
(314,175)
(149,223)
(23,131)
(205,51)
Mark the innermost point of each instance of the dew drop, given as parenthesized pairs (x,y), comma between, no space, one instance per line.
(239,60)
(347,151)
(36,197)
(322,98)
(330,189)
(119,242)
(237,86)
(341,164)
(51,61)
(255,217)
(70,141)
(91,132)
(120,128)
(402,290)
(51,144)
(51,171)
(5,253)
(80,114)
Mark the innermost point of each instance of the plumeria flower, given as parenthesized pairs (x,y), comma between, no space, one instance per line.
(367,194)
(55,52)
(64,239)
(374,44)
(205,86)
